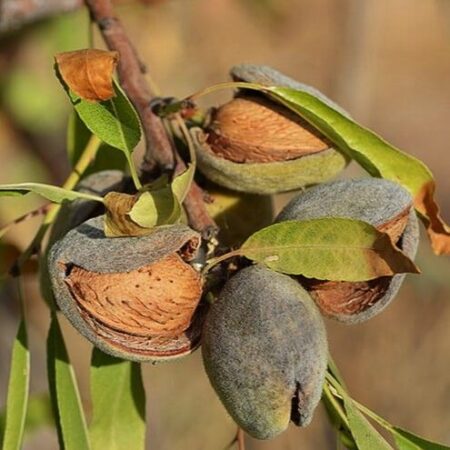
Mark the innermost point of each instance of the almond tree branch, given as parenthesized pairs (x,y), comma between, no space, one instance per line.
(159,151)
(132,77)
(15,14)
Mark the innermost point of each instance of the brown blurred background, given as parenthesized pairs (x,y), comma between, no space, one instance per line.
(386,61)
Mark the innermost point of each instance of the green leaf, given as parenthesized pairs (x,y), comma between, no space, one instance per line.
(66,402)
(78,135)
(17,401)
(55,194)
(366,436)
(114,121)
(39,414)
(374,154)
(406,440)
(156,207)
(182,183)
(118,402)
(334,249)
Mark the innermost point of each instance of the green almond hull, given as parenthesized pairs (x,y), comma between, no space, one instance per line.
(271,177)
(265,351)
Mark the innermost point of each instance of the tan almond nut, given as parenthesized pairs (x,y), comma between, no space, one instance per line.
(133,297)
(255,129)
(253,144)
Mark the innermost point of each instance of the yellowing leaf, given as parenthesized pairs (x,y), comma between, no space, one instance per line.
(375,155)
(334,249)
(156,207)
(89,72)
(182,183)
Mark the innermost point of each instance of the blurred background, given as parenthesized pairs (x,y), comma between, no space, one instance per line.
(386,61)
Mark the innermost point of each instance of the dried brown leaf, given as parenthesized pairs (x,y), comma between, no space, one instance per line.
(88,72)
(438,231)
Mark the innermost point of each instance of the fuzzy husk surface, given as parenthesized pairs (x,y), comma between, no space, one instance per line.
(267,76)
(376,201)
(85,267)
(268,177)
(265,351)
(75,213)
(273,176)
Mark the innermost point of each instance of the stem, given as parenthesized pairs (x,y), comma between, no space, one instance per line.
(133,173)
(83,162)
(222,86)
(187,137)
(181,104)
(341,393)
(72,180)
(333,369)
(131,73)
(35,212)
(16,14)
(374,416)
(240,439)
(214,261)
(337,408)
(159,151)
(194,204)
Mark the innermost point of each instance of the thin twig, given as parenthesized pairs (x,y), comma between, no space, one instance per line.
(240,439)
(15,14)
(194,203)
(198,216)
(132,77)
(43,209)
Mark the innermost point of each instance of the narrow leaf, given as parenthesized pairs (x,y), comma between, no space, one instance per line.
(55,194)
(375,155)
(182,183)
(335,249)
(366,436)
(39,414)
(66,402)
(406,440)
(118,402)
(17,401)
(88,72)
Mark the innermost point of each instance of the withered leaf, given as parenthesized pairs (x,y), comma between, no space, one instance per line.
(117,220)
(438,231)
(88,72)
